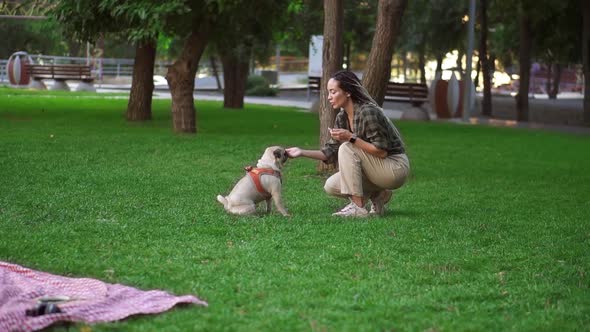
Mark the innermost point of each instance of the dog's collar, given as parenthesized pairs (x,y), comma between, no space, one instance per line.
(255,174)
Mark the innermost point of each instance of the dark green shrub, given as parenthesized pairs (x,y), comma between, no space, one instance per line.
(255,80)
(258,86)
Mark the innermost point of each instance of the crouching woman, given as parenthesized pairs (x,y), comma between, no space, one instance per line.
(366,145)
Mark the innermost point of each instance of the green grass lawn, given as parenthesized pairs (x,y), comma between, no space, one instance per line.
(490,233)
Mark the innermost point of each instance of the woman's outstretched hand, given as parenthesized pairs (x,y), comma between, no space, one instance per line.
(293,152)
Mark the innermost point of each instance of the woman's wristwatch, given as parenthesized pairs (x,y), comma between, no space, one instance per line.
(352,138)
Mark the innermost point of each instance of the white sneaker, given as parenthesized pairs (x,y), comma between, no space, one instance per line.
(352,210)
(379,201)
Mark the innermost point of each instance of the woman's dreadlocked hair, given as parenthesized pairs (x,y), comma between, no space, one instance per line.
(351,84)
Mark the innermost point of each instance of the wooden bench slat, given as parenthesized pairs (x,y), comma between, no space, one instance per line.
(404,88)
(69,73)
(407,92)
(75,70)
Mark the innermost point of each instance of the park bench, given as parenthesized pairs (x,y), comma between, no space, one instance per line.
(60,74)
(414,93)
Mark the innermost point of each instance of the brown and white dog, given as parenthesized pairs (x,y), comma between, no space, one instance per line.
(262,183)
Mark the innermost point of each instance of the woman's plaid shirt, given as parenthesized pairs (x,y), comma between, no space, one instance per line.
(370,125)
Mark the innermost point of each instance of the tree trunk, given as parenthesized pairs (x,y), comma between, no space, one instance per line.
(486,103)
(75,48)
(378,72)
(422,65)
(405,65)
(556,81)
(439,60)
(460,55)
(347,55)
(524,57)
(549,79)
(139,107)
(586,59)
(331,63)
(215,73)
(181,79)
(477,70)
(487,74)
(235,75)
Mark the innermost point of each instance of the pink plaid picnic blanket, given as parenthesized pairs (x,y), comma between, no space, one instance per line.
(90,300)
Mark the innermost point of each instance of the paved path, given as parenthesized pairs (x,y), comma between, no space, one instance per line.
(300,102)
(296,97)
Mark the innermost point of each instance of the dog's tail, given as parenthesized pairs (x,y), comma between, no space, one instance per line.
(222,200)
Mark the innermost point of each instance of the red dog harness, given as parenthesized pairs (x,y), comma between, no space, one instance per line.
(255,174)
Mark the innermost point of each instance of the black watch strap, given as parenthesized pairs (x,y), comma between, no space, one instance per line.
(352,138)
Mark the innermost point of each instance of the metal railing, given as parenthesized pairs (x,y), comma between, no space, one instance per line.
(120,67)
(112,67)
(100,66)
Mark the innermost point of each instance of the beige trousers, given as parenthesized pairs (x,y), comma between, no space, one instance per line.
(362,174)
